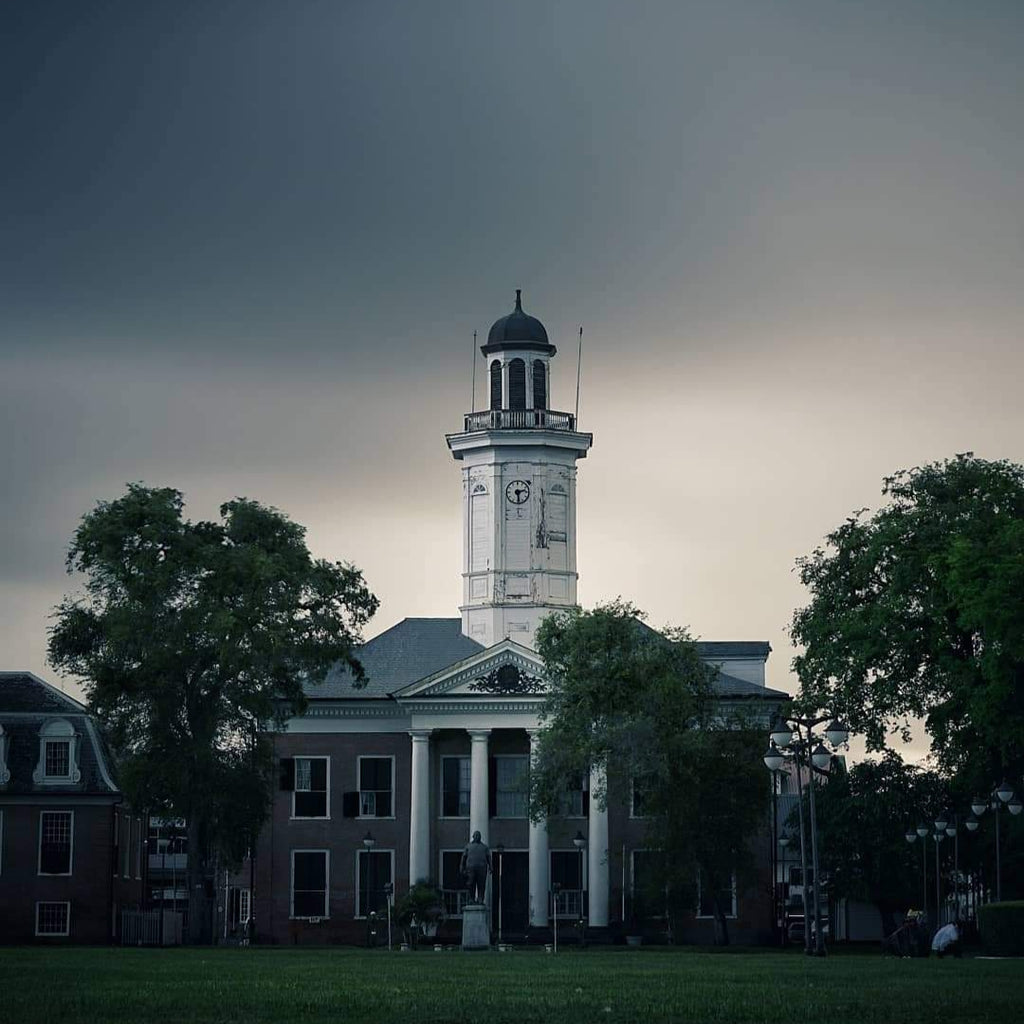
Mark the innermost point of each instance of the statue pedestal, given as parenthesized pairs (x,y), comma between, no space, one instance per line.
(475,931)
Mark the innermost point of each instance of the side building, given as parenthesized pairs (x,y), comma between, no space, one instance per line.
(71,852)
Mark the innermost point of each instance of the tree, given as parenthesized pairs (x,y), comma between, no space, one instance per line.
(640,706)
(863,814)
(189,638)
(917,611)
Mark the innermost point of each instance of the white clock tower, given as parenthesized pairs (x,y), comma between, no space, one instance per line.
(518,490)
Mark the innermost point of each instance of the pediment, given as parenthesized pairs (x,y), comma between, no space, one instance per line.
(505,670)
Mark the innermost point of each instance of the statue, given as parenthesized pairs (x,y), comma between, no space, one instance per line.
(475,864)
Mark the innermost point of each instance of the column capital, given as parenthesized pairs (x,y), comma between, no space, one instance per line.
(478,735)
(420,735)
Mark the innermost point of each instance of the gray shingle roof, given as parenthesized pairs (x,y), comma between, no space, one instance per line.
(714,650)
(408,651)
(22,691)
(726,685)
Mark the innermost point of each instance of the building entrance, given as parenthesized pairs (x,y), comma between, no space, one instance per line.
(512,900)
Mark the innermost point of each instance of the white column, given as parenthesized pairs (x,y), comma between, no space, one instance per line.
(479,811)
(419,807)
(597,853)
(539,867)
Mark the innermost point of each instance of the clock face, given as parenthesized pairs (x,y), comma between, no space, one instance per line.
(517,492)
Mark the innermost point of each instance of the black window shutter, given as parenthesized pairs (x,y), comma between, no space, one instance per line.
(350,804)
(288,774)
(586,804)
(492,788)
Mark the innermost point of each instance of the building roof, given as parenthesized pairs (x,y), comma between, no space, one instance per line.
(517,330)
(410,650)
(416,648)
(27,703)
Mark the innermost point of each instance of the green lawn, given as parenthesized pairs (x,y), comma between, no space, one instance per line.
(342,985)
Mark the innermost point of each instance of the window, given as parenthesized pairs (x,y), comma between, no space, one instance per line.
(55,835)
(455,776)
(510,774)
(117,849)
(310,797)
(453,884)
(126,847)
(5,772)
(517,384)
(374,873)
(567,875)
(376,795)
(540,384)
(53,918)
(244,905)
(648,890)
(309,883)
(496,384)
(574,800)
(706,897)
(639,786)
(58,747)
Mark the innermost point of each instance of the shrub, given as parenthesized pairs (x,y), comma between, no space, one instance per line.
(1002,927)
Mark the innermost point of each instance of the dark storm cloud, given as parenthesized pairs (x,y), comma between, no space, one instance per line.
(246,246)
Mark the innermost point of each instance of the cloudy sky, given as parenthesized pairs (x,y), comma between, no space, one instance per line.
(246,245)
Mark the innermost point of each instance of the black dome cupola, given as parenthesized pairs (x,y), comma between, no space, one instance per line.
(518,330)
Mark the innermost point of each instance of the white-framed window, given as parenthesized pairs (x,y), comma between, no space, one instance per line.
(126,847)
(311,798)
(53,918)
(511,786)
(455,785)
(574,800)
(375,869)
(649,899)
(705,897)
(453,884)
(244,906)
(56,842)
(376,777)
(310,883)
(637,787)
(138,848)
(58,754)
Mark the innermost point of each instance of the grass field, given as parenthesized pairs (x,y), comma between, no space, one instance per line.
(342,985)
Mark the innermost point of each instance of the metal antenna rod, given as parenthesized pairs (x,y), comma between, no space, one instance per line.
(472,407)
(579,359)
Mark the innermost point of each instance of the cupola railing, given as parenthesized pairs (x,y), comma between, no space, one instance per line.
(520,419)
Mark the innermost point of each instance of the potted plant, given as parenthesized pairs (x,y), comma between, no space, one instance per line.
(420,911)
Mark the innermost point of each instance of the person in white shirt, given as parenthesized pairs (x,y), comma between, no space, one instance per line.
(947,940)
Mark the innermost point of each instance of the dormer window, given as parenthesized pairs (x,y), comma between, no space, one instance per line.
(58,754)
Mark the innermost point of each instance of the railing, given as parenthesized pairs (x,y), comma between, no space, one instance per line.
(454,901)
(568,903)
(520,419)
(168,862)
(150,928)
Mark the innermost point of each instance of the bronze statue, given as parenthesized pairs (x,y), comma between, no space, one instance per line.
(475,864)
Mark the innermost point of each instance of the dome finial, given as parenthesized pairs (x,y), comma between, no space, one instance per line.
(519,300)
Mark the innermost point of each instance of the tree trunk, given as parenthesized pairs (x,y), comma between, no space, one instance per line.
(194,874)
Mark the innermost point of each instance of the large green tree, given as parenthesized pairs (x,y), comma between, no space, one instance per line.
(917,611)
(640,705)
(191,636)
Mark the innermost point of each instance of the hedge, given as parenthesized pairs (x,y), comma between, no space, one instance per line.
(1002,927)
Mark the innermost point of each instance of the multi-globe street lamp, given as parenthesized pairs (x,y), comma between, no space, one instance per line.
(1003,794)
(794,738)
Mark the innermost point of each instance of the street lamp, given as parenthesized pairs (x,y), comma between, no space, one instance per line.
(1005,791)
(796,735)
(368,841)
(912,835)
(1015,806)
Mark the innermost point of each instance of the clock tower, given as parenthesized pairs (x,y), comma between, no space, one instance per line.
(518,490)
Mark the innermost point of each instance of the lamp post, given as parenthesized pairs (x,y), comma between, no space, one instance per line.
(938,837)
(779,891)
(580,842)
(796,736)
(1003,794)
(555,889)
(368,844)
(499,850)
